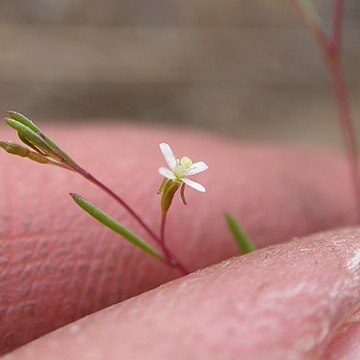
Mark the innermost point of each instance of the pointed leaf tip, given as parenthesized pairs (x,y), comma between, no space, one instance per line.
(32,136)
(112,224)
(13,148)
(23,120)
(28,134)
(240,235)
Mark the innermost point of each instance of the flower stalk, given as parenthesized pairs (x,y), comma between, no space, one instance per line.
(174,178)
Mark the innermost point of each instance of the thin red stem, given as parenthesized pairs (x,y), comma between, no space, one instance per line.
(170,258)
(333,54)
(331,46)
(116,197)
(350,143)
(313,25)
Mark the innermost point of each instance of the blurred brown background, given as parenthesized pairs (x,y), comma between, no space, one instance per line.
(242,67)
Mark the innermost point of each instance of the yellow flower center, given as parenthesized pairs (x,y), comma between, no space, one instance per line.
(183,166)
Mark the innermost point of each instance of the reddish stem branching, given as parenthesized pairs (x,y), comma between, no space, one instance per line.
(170,259)
(331,47)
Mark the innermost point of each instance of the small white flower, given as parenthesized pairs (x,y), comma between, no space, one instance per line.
(180,169)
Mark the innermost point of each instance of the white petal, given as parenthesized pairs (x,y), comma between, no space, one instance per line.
(194,185)
(166,173)
(197,168)
(168,155)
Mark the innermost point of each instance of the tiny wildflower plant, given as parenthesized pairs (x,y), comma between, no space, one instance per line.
(41,149)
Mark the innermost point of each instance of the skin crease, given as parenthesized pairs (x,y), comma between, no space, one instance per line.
(289,301)
(57,264)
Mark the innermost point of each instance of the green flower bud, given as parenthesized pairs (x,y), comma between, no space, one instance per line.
(168,192)
(15,149)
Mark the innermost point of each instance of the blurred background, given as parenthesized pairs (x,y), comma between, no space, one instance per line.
(245,68)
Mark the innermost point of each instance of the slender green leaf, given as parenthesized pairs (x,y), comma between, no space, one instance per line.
(240,235)
(29,135)
(29,140)
(23,120)
(115,226)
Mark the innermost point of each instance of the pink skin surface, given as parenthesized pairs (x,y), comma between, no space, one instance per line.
(298,300)
(57,264)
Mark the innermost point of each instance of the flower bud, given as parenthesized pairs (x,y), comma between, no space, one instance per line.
(15,149)
(169,190)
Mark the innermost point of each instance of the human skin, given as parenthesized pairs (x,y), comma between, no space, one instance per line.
(297,300)
(57,264)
